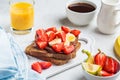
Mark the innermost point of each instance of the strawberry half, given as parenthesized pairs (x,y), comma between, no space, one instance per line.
(58,47)
(68,49)
(65,29)
(100,58)
(41,35)
(51,29)
(41,44)
(111,65)
(51,36)
(75,32)
(36,67)
(104,73)
(45,65)
(62,35)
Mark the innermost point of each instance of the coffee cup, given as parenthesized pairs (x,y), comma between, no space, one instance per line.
(80,12)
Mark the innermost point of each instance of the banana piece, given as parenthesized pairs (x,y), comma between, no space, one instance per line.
(117,47)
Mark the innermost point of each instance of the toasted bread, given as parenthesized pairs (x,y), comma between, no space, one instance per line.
(55,58)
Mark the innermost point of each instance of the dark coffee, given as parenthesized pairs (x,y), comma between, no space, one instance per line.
(81,7)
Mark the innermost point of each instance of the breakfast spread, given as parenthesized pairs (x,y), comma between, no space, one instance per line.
(56,46)
(100,64)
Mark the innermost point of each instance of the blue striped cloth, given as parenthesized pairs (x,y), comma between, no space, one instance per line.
(13,61)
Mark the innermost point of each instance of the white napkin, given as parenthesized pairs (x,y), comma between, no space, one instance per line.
(13,61)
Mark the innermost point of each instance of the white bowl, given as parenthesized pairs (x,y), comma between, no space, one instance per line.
(78,18)
(89,76)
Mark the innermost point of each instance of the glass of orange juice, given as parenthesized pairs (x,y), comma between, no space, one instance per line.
(22,16)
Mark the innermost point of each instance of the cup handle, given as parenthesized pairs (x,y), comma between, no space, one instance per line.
(116,11)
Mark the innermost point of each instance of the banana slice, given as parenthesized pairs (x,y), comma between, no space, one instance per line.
(117,47)
(70,37)
(55,41)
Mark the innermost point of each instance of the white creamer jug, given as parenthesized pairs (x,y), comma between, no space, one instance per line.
(106,20)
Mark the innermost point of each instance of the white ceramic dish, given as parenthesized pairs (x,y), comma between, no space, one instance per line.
(89,76)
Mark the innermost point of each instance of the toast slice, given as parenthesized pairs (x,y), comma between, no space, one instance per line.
(55,58)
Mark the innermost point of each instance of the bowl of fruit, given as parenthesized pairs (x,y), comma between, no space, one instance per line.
(100,66)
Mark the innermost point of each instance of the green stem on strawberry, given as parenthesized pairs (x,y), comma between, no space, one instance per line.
(90,58)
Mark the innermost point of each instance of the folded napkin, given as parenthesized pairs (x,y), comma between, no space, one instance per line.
(13,61)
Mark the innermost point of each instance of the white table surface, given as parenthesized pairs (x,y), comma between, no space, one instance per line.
(52,13)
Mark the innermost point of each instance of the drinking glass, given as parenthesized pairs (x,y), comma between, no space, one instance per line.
(22,15)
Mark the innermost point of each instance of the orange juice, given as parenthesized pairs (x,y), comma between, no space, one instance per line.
(22,16)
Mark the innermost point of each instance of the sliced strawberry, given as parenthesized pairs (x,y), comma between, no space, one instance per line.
(45,65)
(35,66)
(51,29)
(41,44)
(62,35)
(104,73)
(58,47)
(68,49)
(41,35)
(51,36)
(111,65)
(65,29)
(100,58)
(40,32)
(75,32)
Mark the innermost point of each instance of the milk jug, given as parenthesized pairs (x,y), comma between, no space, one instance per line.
(106,20)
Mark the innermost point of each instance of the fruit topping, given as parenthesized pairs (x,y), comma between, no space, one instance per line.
(75,32)
(41,44)
(68,49)
(61,35)
(58,47)
(65,29)
(70,37)
(51,35)
(51,29)
(55,41)
(61,41)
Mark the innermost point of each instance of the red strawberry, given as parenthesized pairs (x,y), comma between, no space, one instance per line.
(51,36)
(35,66)
(65,29)
(41,35)
(45,65)
(58,47)
(100,58)
(111,65)
(68,49)
(41,44)
(75,32)
(104,73)
(62,35)
(40,32)
(51,29)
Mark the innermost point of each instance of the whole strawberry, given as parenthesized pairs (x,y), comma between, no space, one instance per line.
(100,58)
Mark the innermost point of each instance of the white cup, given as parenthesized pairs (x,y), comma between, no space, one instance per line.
(80,18)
